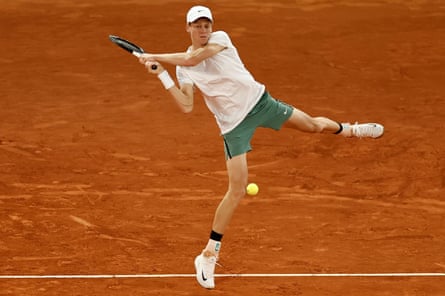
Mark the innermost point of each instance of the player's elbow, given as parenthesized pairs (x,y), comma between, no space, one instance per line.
(186,109)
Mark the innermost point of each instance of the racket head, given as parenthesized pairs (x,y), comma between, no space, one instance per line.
(125,44)
(129,46)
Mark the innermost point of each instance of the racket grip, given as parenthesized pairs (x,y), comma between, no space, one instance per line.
(154,67)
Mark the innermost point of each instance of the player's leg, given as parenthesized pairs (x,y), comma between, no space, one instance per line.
(301,121)
(276,114)
(238,175)
(206,261)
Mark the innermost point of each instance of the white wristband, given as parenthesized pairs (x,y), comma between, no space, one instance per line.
(166,80)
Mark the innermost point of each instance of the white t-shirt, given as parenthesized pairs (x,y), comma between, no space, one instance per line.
(229,90)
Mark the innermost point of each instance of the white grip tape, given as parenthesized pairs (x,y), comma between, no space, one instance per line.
(166,80)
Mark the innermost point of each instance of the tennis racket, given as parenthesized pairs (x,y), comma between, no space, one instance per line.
(130,47)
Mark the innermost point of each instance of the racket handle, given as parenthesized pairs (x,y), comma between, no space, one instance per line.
(154,67)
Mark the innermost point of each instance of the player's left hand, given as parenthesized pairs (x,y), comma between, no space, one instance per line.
(159,68)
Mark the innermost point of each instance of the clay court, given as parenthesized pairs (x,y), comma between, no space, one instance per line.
(101,174)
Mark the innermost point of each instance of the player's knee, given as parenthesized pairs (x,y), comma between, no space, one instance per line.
(237,192)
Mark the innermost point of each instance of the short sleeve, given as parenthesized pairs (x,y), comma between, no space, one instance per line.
(221,38)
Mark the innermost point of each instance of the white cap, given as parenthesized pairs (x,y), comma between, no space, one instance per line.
(197,12)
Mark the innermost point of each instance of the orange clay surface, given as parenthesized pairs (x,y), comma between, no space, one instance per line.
(100,173)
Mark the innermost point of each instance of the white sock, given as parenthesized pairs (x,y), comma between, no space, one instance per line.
(346,131)
(212,248)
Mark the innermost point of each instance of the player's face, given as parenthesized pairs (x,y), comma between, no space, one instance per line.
(200,31)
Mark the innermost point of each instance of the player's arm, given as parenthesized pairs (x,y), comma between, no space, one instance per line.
(191,58)
(183,96)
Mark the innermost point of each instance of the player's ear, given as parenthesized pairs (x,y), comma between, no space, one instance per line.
(187,27)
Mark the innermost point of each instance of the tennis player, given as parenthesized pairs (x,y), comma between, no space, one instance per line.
(240,105)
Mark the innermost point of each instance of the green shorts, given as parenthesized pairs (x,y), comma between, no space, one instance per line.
(268,112)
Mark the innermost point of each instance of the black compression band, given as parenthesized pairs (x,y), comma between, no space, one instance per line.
(215,236)
(340,130)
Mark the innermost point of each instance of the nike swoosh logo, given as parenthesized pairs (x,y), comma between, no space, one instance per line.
(203,276)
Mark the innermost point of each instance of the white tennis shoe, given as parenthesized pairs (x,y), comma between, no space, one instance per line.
(205,270)
(367,130)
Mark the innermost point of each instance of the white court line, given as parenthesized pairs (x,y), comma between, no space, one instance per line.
(109,276)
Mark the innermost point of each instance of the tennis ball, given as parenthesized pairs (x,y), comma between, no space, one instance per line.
(252,189)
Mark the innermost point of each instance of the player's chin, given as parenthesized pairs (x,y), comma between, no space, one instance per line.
(204,40)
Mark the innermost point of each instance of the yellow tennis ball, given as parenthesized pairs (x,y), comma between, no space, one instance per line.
(252,189)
